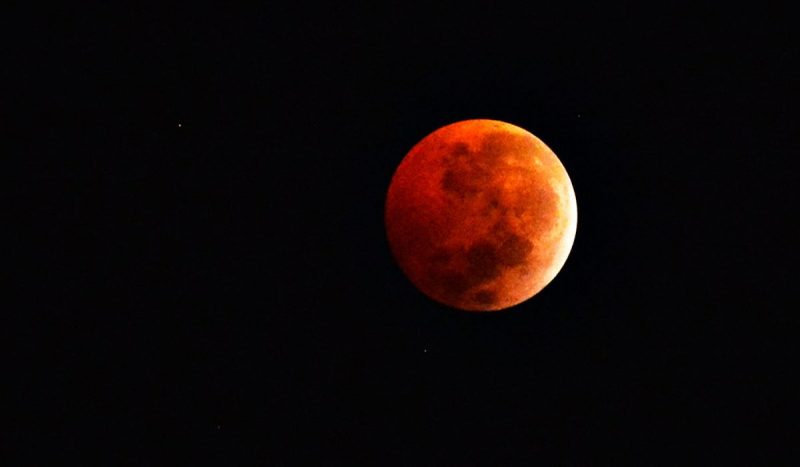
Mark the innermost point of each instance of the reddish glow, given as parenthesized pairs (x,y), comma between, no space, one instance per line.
(480,215)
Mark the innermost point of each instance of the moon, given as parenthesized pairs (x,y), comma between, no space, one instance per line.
(480,215)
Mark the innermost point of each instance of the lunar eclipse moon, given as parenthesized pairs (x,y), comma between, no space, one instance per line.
(480,215)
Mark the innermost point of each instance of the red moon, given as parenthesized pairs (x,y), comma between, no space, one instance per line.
(480,215)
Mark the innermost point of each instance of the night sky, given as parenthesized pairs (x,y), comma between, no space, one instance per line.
(208,279)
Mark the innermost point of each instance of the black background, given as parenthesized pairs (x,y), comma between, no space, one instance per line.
(210,282)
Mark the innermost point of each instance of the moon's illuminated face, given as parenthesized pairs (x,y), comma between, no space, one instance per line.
(481,215)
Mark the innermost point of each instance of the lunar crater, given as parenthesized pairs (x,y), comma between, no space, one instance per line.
(485,297)
(462,183)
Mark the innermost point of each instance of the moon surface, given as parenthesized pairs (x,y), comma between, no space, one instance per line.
(480,215)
